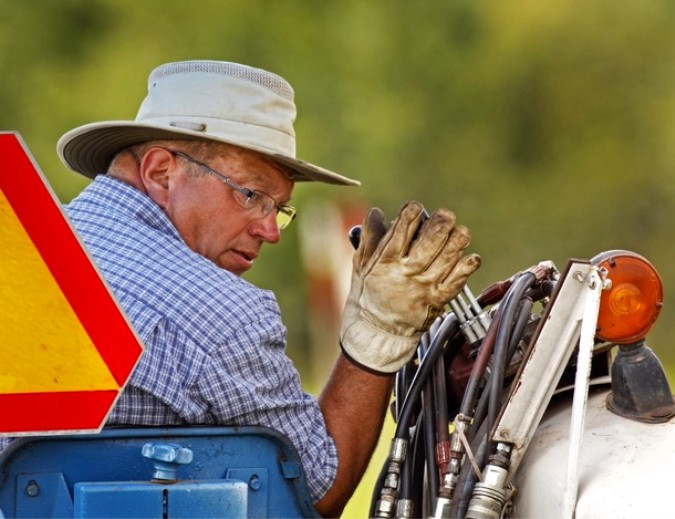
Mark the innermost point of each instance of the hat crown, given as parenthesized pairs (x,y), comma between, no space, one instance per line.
(224,100)
(216,101)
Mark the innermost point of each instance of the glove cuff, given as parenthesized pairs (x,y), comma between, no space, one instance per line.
(375,350)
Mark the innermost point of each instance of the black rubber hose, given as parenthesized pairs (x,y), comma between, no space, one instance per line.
(402,384)
(479,414)
(440,402)
(405,490)
(521,321)
(424,439)
(420,452)
(514,317)
(418,474)
(404,377)
(424,420)
(476,376)
(509,308)
(428,401)
(519,328)
(448,327)
(412,406)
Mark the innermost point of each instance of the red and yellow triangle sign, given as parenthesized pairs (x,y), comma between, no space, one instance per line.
(66,348)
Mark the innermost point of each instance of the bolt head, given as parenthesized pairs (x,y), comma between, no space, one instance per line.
(167,452)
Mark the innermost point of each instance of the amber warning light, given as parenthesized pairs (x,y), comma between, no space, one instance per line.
(629,308)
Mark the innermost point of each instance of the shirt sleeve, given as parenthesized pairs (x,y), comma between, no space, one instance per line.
(251,381)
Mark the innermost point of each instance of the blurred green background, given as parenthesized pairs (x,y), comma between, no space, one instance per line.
(548,126)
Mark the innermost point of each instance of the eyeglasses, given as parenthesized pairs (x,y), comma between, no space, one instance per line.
(257,202)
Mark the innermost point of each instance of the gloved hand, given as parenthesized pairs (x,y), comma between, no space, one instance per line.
(400,284)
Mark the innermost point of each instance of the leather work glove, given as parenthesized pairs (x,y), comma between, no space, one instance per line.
(401,282)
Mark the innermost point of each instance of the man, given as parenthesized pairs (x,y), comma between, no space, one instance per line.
(195,186)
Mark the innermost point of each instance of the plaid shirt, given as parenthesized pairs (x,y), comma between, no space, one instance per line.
(214,343)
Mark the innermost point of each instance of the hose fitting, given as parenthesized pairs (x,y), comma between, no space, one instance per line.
(386,505)
(490,495)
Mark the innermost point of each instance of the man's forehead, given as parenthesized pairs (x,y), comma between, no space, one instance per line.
(251,166)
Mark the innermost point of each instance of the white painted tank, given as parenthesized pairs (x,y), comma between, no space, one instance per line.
(625,471)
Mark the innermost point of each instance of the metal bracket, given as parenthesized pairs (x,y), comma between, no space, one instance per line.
(547,357)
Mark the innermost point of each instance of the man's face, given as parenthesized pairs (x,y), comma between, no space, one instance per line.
(208,215)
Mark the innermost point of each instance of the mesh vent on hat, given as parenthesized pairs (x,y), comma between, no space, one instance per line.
(268,80)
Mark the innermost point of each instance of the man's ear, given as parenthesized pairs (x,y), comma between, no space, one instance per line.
(156,167)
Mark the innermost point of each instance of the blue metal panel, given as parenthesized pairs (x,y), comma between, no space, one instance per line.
(259,488)
(263,459)
(139,500)
(42,494)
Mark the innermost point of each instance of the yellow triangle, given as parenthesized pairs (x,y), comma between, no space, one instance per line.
(43,345)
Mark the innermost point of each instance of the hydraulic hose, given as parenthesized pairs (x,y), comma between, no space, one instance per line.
(481,362)
(401,386)
(447,328)
(418,471)
(389,480)
(406,488)
(479,414)
(522,319)
(428,355)
(509,308)
(440,403)
(426,437)
(429,403)
(424,423)
(519,328)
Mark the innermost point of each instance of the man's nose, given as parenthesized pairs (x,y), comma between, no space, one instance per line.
(267,228)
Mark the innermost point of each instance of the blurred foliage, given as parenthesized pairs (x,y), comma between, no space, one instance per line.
(547,126)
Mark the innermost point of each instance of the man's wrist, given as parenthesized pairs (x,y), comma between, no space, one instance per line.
(376,350)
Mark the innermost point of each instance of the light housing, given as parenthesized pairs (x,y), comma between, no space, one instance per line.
(631,306)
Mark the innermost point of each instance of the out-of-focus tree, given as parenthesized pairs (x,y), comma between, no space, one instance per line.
(545,125)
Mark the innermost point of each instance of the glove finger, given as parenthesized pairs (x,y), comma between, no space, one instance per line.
(434,238)
(396,242)
(373,228)
(458,276)
(450,253)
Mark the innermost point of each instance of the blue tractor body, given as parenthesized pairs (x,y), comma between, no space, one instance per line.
(239,472)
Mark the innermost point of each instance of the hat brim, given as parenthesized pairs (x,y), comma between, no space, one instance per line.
(89,149)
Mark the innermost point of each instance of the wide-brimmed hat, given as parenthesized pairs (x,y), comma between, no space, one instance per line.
(202,100)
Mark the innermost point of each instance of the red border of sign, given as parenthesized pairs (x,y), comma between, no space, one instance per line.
(44,412)
(26,190)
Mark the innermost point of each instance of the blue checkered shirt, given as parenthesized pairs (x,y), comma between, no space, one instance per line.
(214,343)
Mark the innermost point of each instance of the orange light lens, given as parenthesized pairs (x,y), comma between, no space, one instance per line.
(630,307)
